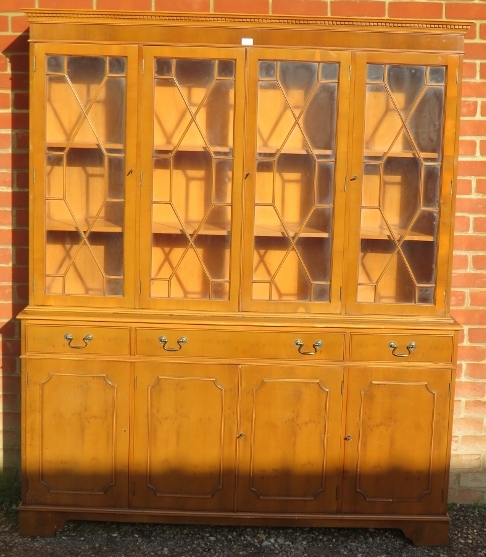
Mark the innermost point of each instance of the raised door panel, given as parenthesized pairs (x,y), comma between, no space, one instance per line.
(184,437)
(397,439)
(294,180)
(289,439)
(192,155)
(84,135)
(404,157)
(76,432)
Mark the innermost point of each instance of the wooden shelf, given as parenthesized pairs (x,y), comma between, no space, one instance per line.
(384,234)
(220,229)
(101,225)
(59,146)
(276,231)
(272,151)
(399,154)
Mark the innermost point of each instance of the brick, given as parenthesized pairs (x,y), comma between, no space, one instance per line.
(475,407)
(21,102)
(464,186)
(473,479)
(476,335)
(468,425)
(469,69)
(469,107)
(472,32)
(300,7)
(5,255)
(21,256)
(78,4)
(473,443)
(471,205)
(14,42)
(4,24)
(412,9)
(467,147)
(242,6)
(469,316)
(4,100)
(482,70)
(468,242)
(465,10)
(16,5)
(474,51)
(482,147)
(458,298)
(363,8)
(479,262)
(472,168)
(462,223)
(472,127)
(460,262)
(183,5)
(18,23)
(470,389)
(458,404)
(19,64)
(476,370)
(472,354)
(465,461)
(5,140)
(465,496)
(474,89)
(481,185)
(478,299)
(479,224)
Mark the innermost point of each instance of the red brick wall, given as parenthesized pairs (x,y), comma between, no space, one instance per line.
(468,480)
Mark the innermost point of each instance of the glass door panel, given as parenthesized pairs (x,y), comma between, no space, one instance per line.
(290,227)
(193,166)
(402,167)
(84,162)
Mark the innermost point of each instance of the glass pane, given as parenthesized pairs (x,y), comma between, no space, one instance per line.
(294,185)
(192,178)
(404,126)
(55,64)
(85,175)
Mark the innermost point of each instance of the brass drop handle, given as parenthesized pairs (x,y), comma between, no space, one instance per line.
(69,338)
(410,348)
(163,341)
(348,438)
(299,344)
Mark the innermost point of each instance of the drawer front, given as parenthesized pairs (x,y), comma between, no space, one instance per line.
(408,347)
(77,340)
(240,344)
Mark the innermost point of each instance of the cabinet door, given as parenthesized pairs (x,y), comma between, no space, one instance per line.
(192,171)
(184,436)
(295,169)
(84,133)
(289,439)
(397,439)
(404,154)
(75,432)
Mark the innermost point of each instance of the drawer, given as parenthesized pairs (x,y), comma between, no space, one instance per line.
(77,339)
(408,347)
(239,344)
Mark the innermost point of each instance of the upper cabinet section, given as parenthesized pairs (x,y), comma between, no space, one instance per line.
(84,142)
(240,163)
(402,183)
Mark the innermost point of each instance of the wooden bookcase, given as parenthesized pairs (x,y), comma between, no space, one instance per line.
(240,248)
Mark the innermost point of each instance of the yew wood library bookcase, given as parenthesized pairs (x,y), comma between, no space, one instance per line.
(240,250)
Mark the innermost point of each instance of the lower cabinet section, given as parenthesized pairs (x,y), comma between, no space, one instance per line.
(76,432)
(184,436)
(264,442)
(289,439)
(397,437)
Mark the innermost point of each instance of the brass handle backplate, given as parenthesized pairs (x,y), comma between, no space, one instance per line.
(410,348)
(299,344)
(164,340)
(69,338)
